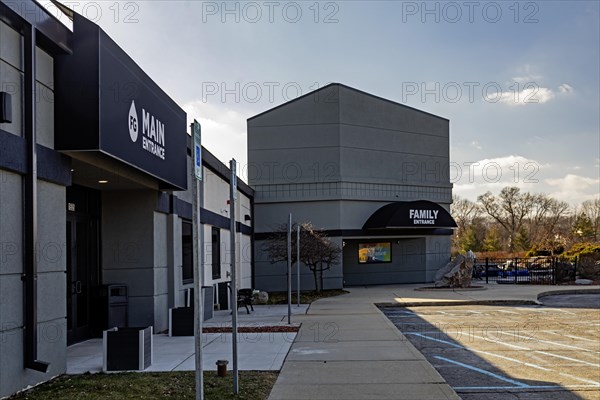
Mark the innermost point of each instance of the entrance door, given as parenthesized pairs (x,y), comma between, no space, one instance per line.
(82,275)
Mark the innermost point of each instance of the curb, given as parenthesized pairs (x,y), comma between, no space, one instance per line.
(458,303)
(443,289)
(569,291)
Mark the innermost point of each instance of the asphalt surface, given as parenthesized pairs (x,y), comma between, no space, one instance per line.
(509,352)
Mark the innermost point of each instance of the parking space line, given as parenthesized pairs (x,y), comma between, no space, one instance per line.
(436,340)
(561,310)
(508,312)
(514,346)
(597,341)
(560,344)
(537,351)
(567,358)
(512,359)
(484,372)
(481,352)
(597,384)
(572,345)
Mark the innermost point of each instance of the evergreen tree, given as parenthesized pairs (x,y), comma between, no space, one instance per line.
(492,241)
(583,228)
(469,241)
(522,240)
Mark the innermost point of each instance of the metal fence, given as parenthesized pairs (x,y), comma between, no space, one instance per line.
(534,271)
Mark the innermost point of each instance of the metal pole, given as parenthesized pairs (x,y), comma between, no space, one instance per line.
(234,314)
(198,275)
(298,259)
(289,276)
(487,270)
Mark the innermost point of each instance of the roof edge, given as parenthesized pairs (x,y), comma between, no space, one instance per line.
(349,88)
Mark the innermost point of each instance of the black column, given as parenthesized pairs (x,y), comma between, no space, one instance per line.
(30,207)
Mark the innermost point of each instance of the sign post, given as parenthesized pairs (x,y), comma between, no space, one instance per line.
(234,315)
(198,256)
(289,257)
(298,259)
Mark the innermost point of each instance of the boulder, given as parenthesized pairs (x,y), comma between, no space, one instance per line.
(262,297)
(456,274)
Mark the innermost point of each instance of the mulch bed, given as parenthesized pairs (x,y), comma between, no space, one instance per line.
(251,329)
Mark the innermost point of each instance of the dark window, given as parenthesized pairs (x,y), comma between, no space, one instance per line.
(216,252)
(187,252)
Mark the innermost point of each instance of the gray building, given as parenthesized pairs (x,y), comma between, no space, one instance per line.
(372,173)
(95,163)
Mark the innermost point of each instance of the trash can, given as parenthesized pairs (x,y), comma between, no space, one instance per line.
(116,301)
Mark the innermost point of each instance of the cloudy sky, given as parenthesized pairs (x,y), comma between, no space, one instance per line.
(519,81)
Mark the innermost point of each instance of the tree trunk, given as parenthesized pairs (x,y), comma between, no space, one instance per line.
(320,279)
(314,271)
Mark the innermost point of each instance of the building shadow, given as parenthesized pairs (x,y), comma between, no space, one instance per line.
(493,352)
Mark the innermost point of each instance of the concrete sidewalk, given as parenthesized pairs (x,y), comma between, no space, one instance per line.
(347,349)
(258,351)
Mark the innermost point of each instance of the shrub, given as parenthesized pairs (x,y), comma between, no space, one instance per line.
(584,250)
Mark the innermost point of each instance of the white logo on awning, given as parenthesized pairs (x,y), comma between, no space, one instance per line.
(133,122)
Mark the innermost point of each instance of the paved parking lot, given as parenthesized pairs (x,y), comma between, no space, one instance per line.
(508,352)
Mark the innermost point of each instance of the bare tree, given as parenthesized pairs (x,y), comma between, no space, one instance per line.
(508,209)
(317,251)
(544,216)
(470,230)
(464,212)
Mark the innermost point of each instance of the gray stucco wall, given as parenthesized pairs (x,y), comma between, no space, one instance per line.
(11,75)
(407,263)
(273,276)
(51,306)
(437,255)
(128,250)
(333,158)
(51,251)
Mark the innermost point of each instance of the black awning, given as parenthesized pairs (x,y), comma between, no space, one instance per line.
(410,214)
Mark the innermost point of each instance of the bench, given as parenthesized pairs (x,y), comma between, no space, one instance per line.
(244,298)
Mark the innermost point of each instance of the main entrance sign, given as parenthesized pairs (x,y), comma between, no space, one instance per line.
(106,103)
(153,131)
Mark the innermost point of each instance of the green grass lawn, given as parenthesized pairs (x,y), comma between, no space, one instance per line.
(305,297)
(253,385)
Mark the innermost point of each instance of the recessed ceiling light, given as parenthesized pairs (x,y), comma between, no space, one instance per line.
(103,182)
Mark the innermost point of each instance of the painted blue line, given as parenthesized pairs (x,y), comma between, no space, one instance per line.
(435,340)
(517,384)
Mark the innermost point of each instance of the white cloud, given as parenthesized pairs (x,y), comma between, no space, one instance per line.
(475,144)
(565,88)
(532,94)
(573,186)
(526,75)
(496,173)
(223,131)
(527,78)
(472,179)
